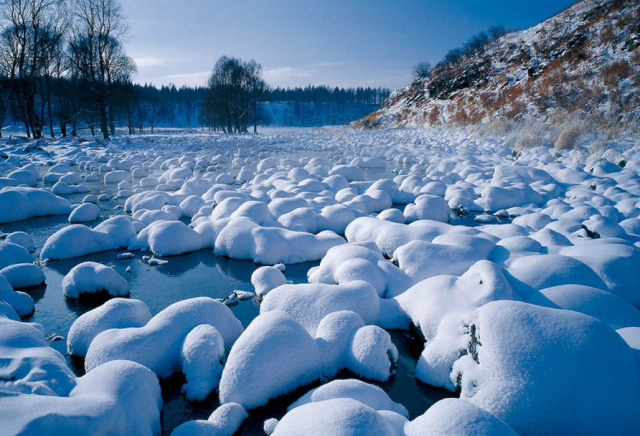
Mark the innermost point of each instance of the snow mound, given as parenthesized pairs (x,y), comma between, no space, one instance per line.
(428,302)
(508,355)
(427,207)
(368,394)
(602,305)
(242,238)
(457,417)
(121,228)
(115,313)
(389,236)
(267,278)
(23,239)
(119,397)
(20,302)
(167,238)
(614,263)
(224,421)
(451,254)
(30,366)
(91,278)
(12,254)
(339,417)
(309,303)
(349,414)
(84,213)
(275,355)
(75,241)
(24,203)
(23,275)
(168,343)
(202,358)
(360,261)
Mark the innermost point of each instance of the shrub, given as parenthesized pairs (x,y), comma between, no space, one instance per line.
(529,136)
(434,116)
(615,72)
(568,137)
(607,35)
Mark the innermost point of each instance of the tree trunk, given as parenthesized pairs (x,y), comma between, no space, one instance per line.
(255,116)
(49,107)
(104,122)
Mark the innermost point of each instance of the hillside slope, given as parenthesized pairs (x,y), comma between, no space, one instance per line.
(582,64)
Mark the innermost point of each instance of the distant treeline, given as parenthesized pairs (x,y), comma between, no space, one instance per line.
(311,114)
(325,94)
(141,107)
(170,106)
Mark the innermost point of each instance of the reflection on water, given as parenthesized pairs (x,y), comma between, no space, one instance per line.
(191,275)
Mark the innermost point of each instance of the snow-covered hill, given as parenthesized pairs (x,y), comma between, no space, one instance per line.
(582,64)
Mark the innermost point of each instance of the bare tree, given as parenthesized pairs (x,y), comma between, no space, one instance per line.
(96,52)
(235,89)
(30,27)
(256,87)
(8,65)
(422,70)
(52,60)
(496,32)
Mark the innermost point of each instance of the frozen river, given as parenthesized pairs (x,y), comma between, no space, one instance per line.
(431,264)
(197,274)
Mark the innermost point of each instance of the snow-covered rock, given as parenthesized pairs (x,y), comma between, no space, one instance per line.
(20,302)
(167,238)
(309,303)
(12,254)
(506,355)
(361,261)
(23,275)
(242,238)
(84,213)
(224,421)
(120,397)
(368,394)
(267,278)
(115,313)
(93,278)
(174,340)
(75,241)
(275,355)
(23,239)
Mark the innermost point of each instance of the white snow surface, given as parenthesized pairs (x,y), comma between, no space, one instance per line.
(90,278)
(189,336)
(275,355)
(115,313)
(224,421)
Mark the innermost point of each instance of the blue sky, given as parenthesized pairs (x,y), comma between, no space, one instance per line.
(300,42)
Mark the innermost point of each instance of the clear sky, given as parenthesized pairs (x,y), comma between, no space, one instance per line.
(300,42)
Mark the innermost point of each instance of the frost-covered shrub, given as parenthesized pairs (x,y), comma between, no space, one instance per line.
(568,137)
